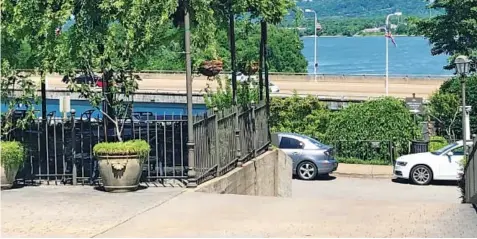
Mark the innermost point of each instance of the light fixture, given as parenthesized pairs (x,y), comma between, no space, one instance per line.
(462,64)
(398,13)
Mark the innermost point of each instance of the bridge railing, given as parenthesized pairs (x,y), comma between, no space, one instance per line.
(470,176)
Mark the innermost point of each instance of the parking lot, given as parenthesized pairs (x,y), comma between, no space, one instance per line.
(386,208)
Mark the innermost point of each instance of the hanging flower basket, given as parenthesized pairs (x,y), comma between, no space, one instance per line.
(249,68)
(211,68)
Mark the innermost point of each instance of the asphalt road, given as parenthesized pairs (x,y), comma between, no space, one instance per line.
(354,87)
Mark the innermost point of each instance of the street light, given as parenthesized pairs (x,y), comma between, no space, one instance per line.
(462,64)
(387,50)
(315,67)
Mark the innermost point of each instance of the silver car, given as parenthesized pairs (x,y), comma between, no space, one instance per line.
(310,157)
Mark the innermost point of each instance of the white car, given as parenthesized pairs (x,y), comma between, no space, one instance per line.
(422,168)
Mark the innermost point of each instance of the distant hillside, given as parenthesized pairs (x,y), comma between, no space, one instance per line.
(365,8)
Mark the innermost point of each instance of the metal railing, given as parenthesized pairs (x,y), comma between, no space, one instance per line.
(62,152)
(364,151)
(470,176)
(218,149)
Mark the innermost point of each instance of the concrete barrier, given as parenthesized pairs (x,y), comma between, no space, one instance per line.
(270,174)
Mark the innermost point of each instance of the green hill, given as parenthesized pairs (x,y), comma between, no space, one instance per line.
(365,8)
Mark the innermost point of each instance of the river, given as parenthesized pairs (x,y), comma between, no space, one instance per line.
(366,55)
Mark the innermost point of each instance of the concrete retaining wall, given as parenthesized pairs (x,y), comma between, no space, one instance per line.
(270,174)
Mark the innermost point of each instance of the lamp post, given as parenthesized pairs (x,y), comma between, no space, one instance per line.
(191,173)
(462,64)
(386,85)
(315,66)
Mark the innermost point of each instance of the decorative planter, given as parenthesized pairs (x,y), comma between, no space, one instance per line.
(120,173)
(211,68)
(7,176)
(248,68)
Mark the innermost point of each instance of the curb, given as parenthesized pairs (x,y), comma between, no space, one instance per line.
(357,175)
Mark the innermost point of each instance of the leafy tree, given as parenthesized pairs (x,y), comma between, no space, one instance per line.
(453,32)
(107,35)
(385,119)
(453,87)
(444,109)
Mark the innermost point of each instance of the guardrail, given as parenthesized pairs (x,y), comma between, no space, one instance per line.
(318,75)
(470,176)
(219,148)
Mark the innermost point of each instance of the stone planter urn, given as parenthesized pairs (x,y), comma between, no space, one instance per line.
(120,164)
(7,176)
(11,158)
(120,173)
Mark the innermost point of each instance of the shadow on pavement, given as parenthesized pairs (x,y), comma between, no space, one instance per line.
(101,188)
(435,183)
(318,178)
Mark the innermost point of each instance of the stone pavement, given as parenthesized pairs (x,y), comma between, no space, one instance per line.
(346,207)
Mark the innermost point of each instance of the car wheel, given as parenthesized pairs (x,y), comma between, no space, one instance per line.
(421,175)
(307,170)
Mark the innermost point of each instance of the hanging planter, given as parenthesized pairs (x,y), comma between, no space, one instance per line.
(248,68)
(211,68)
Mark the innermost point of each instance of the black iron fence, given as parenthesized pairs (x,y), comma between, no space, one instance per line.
(228,137)
(364,151)
(59,151)
(62,151)
(470,176)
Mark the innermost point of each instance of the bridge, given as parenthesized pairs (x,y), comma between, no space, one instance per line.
(336,87)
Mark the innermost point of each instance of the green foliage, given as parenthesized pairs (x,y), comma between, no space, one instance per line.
(12,154)
(443,108)
(436,143)
(16,89)
(385,119)
(295,114)
(452,33)
(131,147)
(362,161)
(453,87)
(222,97)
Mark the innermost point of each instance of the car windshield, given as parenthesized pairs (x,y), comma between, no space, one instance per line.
(442,150)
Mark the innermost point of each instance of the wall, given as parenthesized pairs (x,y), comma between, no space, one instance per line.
(270,174)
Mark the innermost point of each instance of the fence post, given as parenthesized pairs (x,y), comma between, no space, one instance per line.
(237,137)
(73,147)
(254,131)
(217,146)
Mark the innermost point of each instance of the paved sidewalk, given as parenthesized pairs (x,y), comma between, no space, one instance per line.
(364,171)
(73,211)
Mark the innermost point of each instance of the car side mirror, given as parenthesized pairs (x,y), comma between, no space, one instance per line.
(450,153)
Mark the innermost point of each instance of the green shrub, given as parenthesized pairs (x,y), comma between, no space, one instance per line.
(385,119)
(12,154)
(303,115)
(436,143)
(139,147)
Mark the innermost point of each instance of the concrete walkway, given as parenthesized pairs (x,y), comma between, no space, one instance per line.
(164,212)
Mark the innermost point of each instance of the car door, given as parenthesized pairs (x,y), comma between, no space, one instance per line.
(450,163)
(293,148)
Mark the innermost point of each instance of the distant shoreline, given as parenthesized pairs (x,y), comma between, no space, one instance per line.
(359,36)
